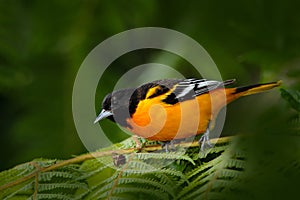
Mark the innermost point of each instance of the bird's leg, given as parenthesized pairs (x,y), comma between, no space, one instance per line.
(165,145)
(205,138)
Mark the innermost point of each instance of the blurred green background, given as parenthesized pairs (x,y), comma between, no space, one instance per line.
(43,43)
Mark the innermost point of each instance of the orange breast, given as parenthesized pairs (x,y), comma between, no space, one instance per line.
(158,121)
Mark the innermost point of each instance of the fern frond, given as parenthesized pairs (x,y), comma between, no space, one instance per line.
(106,183)
(235,163)
(19,191)
(51,186)
(213,176)
(134,190)
(291,98)
(53,196)
(90,173)
(218,173)
(12,174)
(48,176)
(162,156)
(216,149)
(139,167)
(154,183)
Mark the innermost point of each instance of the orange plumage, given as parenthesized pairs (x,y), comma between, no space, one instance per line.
(173,109)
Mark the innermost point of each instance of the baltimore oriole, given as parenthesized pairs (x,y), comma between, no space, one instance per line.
(168,109)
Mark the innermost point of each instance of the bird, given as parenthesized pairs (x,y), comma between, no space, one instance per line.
(170,109)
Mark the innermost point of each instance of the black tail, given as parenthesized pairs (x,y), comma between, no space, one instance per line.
(253,89)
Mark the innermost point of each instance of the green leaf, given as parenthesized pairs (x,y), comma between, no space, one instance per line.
(293,102)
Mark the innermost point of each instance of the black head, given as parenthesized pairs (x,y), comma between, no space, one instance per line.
(115,106)
(106,108)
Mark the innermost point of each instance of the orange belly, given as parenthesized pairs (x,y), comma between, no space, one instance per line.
(162,122)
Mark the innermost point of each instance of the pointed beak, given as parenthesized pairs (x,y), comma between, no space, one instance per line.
(102,115)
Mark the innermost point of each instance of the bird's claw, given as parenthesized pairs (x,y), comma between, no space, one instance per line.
(165,145)
(204,140)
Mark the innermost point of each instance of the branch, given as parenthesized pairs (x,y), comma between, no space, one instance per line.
(89,156)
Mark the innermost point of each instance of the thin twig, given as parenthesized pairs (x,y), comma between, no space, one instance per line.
(36,184)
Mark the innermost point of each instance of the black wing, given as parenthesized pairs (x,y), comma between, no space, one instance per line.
(141,92)
(190,88)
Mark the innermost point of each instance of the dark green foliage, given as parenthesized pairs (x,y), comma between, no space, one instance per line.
(293,100)
(227,171)
(57,184)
